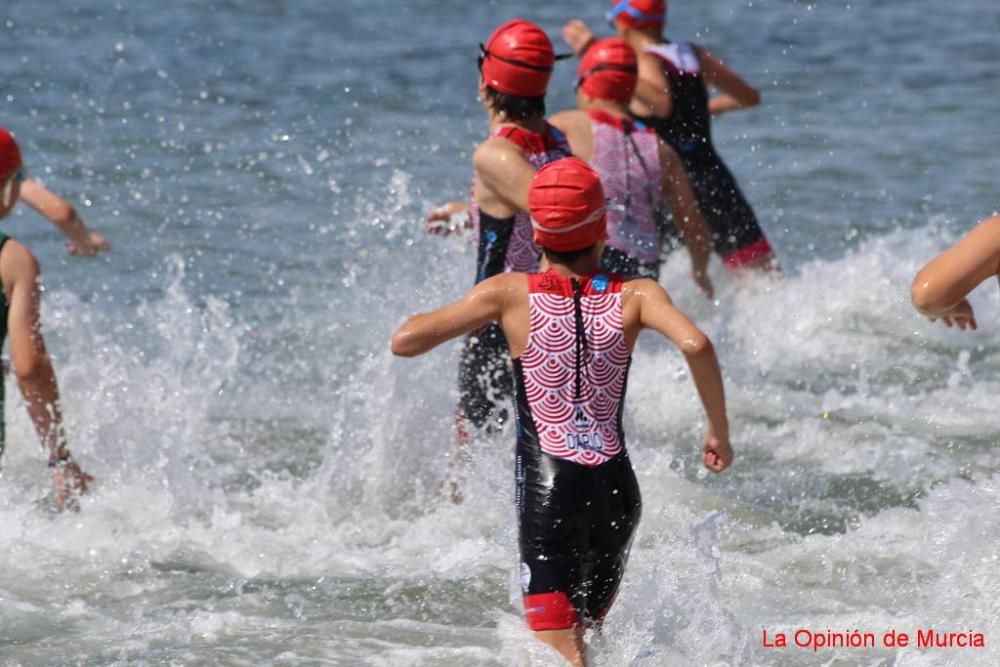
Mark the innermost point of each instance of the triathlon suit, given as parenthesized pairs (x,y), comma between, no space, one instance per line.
(627,158)
(4,309)
(577,497)
(737,236)
(505,244)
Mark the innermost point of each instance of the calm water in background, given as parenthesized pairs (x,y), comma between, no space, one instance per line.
(267,473)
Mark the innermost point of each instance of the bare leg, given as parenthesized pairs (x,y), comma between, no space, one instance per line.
(19,273)
(451,486)
(568,642)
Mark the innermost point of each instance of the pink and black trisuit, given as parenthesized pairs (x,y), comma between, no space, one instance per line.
(736,233)
(577,498)
(504,245)
(627,158)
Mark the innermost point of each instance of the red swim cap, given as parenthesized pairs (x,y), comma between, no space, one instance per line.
(566,202)
(639,14)
(608,71)
(517,59)
(10,155)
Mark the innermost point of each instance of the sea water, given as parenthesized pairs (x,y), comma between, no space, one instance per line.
(267,474)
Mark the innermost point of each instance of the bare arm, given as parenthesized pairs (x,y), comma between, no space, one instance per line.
(652,92)
(735,93)
(578,36)
(19,272)
(561,121)
(575,125)
(940,288)
(504,174)
(687,216)
(425,331)
(61,213)
(657,312)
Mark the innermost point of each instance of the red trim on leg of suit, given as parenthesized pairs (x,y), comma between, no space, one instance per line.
(550,611)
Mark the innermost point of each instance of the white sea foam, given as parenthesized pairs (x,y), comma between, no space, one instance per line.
(863,495)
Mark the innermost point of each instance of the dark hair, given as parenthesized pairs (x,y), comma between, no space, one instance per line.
(515,107)
(569,257)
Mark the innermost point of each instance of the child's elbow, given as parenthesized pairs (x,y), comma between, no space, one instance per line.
(697,345)
(752,98)
(402,344)
(398,345)
(922,295)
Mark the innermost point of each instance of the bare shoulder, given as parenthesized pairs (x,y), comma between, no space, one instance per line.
(710,63)
(575,125)
(568,119)
(18,265)
(701,52)
(488,149)
(15,256)
(495,151)
(31,190)
(640,295)
(505,280)
(503,285)
(650,68)
(643,288)
(496,146)
(512,283)
(649,63)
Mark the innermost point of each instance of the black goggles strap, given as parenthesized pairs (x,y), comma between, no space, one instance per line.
(631,69)
(483,54)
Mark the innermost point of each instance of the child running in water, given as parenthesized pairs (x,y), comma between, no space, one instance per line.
(571,331)
(638,171)
(515,66)
(21,319)
(672,97)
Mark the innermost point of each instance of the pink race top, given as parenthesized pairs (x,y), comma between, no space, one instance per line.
(627,158)
(574,367)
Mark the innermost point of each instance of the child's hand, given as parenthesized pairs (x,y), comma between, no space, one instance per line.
(577,35)
(961,314)
(69,483)
(439,221)
(717,455)
(88,246)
